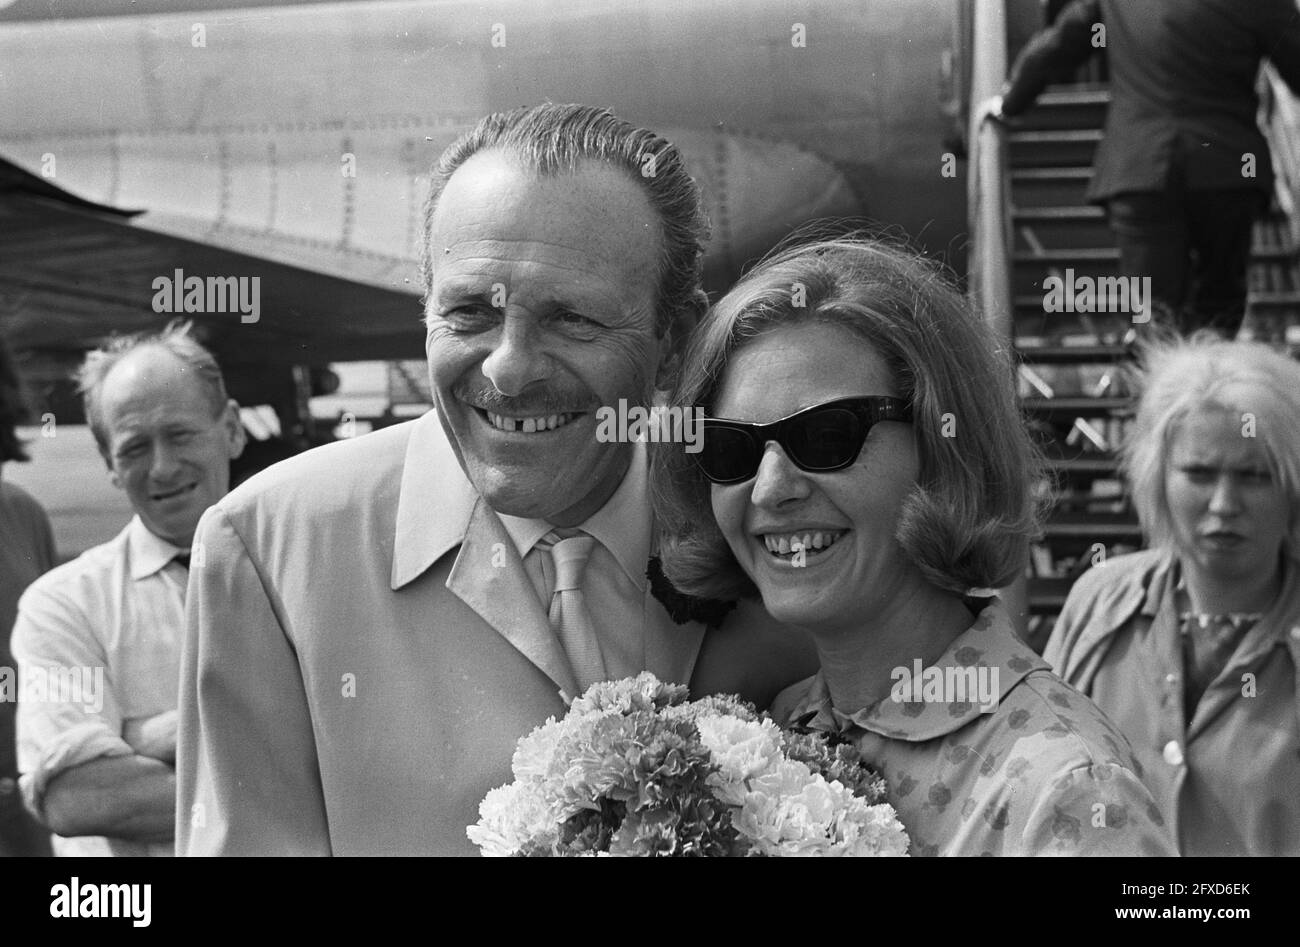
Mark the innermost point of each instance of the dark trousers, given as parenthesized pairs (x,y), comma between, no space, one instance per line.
(1195,246)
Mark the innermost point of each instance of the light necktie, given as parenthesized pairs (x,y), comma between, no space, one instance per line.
(568,613)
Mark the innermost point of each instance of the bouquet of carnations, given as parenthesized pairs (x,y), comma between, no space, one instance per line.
(636,769)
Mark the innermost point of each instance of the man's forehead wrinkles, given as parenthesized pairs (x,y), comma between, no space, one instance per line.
(159,420)
(495,250)
(487,264)
(528,278)
(523,282)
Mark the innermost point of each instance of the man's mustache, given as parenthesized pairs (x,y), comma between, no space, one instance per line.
(540,403)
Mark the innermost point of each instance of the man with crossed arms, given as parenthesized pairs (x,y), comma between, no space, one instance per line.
(100,774)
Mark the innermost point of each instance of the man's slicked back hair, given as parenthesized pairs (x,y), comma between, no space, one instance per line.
(556,139)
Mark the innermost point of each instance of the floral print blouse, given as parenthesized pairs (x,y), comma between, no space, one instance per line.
(1036,769)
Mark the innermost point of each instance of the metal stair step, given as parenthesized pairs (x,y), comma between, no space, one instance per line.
(1071,460)
(1053,136)
(1066,95)
(1079,502)
(1272,229)
(1032,187)
(1085,467)
(1108,328)
(1068,213)
(1078,174)
(1079,524)
(1076,539)
(1065,257)
(1059,226)
(1091,255)
(1076,407)
(1271,269)
(1273,254)
(1030,268)
(1066,107)
(1055,147)
(1071,354)
(1273,302)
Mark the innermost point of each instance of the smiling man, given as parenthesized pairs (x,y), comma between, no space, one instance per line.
(541,310)
(379,621)
(97,749)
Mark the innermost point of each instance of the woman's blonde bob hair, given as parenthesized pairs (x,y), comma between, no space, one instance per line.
(969,522)
(1248,379)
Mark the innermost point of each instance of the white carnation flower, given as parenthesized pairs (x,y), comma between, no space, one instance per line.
(872,830)
(791,811)
(742,749)
(618,696)
(764,813)
(510,816)
(533,753)
(780,806)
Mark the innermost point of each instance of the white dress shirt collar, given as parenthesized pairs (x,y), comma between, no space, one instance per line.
(145,551)
(622,525)
(437,501)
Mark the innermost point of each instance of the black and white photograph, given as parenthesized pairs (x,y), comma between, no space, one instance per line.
(652,428)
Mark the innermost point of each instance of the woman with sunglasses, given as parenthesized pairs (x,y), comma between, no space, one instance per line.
(864,470)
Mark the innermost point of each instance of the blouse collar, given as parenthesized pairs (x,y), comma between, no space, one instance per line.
(982,665)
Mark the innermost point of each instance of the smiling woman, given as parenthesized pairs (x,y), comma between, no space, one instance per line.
(1193,646)
(864,470)
(969,523)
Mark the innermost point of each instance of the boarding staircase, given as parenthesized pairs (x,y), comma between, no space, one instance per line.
(1072,364)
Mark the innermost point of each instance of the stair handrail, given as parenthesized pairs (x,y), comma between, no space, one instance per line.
(989,261)
(988,267)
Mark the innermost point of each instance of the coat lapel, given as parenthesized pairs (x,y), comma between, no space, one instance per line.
(489,577)
(438,510)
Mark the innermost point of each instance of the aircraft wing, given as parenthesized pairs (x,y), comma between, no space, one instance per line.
(335,286)
(73,272)
(291,143)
